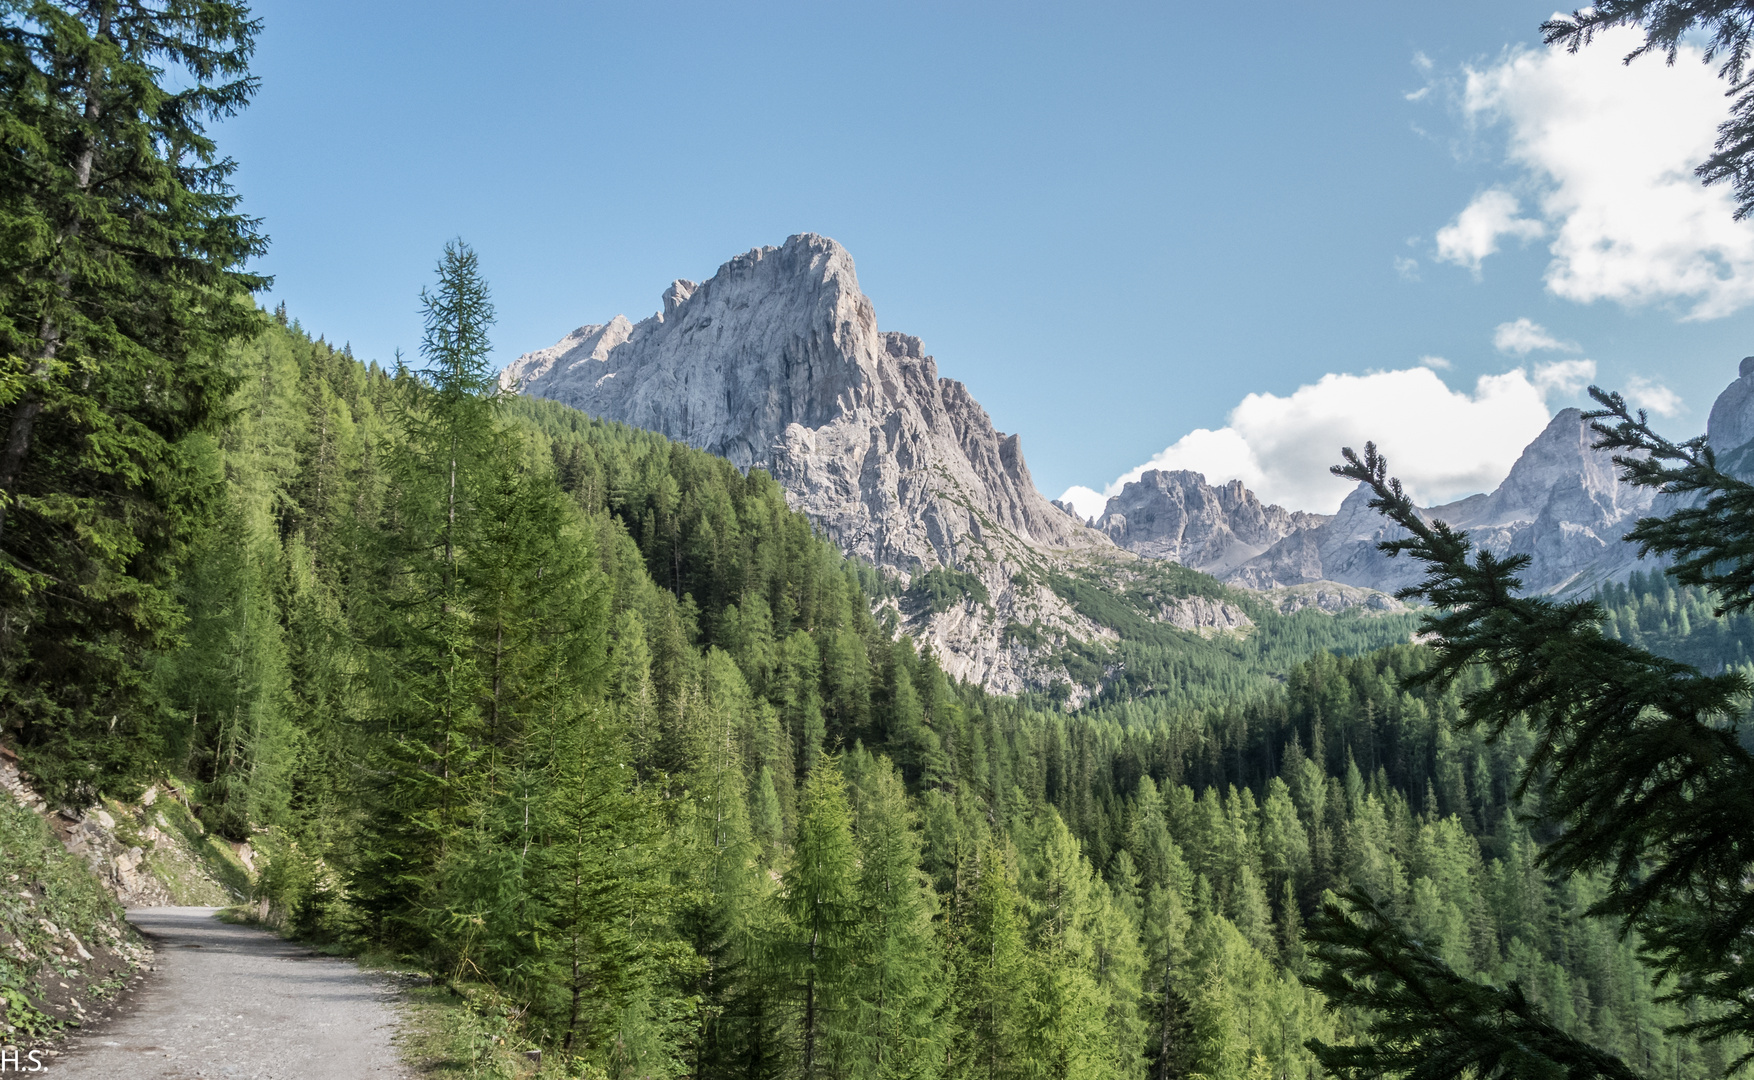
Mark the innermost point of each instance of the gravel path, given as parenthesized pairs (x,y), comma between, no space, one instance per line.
(235,1003)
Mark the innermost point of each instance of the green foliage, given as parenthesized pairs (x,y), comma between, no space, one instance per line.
(1426,1021)
(120,289)
(942,588)
(1680,622)
(1635,755)
(817,948)
(1159,667)
(42,886)
(554,708)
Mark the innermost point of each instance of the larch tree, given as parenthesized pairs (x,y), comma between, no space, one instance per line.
(820,947)
(899,988)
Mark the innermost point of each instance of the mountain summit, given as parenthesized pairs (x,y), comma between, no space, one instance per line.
(777,362)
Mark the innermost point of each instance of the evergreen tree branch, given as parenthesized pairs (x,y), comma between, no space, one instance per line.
(1425,1021)
(1726,28)
(1710,537)
(1635,755)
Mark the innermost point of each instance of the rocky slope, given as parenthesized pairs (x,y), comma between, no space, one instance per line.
(777,362)
(1561,504)
(1178,516)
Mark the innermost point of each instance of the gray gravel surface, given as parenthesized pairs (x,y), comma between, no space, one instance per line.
(237,1003)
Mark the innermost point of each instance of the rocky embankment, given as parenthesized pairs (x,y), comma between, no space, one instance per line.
(65,878)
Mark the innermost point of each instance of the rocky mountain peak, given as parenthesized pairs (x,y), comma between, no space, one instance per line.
(1177,515)
(678,292)
(1562,504)
(1563,453)
(777,362)
(1731,424)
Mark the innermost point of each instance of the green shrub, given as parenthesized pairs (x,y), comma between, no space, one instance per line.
(940,589)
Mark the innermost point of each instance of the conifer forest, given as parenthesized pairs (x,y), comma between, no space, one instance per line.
(592,729)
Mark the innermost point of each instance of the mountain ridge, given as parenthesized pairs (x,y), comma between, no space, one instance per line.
(777,362)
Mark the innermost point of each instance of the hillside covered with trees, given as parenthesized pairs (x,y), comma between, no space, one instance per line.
(592,725)
(596,732)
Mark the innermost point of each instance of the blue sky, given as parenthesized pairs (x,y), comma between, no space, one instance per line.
(1113,222)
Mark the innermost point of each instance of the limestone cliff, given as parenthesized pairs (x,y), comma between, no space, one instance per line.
(1178,516)
(776,362)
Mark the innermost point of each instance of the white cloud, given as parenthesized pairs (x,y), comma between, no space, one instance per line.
(1475,232)
(1442,443)
(1524,336)
(1565,376)
(1436,363)
(1609,150)
(1407,268)
(1088,503)
(1647,394)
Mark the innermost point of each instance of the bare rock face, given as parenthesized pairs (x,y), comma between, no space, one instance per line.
(1204,616)
(1731,424)
(1562,504)
(777,362)
(1178,516)
(1331,597)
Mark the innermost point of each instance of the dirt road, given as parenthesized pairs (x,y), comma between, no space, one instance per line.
(236,1003)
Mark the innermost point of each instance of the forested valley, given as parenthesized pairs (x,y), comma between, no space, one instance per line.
(589,729)
(592,727)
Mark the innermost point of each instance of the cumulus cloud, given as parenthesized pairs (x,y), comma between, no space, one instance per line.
(1436,363)
(1525,336)
(1564,376)
(1475,232)
(1608,152)
(1442,443)
(1644,393)
(1087,502)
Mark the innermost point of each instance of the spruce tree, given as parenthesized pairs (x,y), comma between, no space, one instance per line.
(121,284)
(1636,756)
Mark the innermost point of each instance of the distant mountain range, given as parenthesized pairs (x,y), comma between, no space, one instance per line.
(1562,505)
(777,362)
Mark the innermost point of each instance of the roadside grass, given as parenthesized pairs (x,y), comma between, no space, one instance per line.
(63,944)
